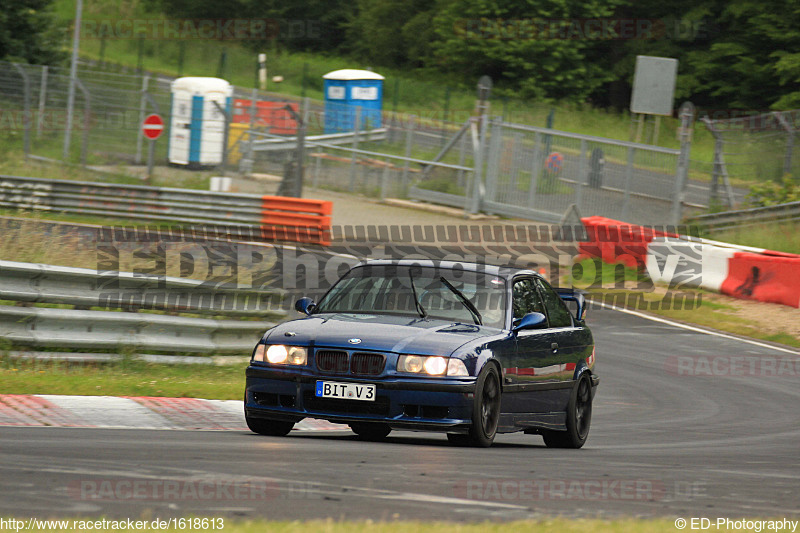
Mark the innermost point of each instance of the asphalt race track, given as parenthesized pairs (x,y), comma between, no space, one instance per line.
(663,443)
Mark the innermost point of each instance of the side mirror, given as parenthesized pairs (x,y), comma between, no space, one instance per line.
(305,305)
(530,321)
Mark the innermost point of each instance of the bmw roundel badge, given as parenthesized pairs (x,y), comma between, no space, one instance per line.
(354,341)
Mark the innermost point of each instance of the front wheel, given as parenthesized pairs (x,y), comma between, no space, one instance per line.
(271,428)
(579,418)
(485,411)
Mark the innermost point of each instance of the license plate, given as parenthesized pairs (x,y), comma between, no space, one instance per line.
(345,391)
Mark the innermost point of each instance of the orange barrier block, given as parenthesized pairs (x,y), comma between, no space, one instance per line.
(617,242)
(766,278)
(296,219)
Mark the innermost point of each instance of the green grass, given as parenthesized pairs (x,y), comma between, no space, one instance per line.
(124,378)
(783,237)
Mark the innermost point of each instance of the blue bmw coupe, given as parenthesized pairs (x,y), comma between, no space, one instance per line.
(467,349)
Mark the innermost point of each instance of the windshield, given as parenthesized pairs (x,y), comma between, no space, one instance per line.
(388,289)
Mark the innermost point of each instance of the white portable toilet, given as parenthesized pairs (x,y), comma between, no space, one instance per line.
(197,126)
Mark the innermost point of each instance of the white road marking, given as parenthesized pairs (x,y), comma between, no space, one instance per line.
(694,328)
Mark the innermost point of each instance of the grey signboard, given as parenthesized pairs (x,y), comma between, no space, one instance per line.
(654,85)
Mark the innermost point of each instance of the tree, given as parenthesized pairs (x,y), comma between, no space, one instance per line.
(537,48)
(754,63)
(28,32)
(394,33)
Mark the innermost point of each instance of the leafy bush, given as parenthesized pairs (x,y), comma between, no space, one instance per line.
(773,193)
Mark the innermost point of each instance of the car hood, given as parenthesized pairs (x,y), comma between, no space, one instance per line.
(379,332)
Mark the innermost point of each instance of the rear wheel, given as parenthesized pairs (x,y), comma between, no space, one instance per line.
(371,430)
(485,411)
(579,418)
(272,428)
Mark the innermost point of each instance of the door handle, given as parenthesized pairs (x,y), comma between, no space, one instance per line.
(554,347)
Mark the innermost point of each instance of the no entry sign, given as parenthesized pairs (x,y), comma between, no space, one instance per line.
(153,126)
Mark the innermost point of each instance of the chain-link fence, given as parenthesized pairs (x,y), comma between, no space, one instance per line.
(482,164)
(753,148)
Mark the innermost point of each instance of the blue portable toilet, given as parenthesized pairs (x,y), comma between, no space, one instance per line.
(197,127)
(347,89)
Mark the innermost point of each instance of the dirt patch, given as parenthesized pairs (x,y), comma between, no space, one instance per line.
(767,317)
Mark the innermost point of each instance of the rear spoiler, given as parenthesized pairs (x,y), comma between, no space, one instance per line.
(574,295)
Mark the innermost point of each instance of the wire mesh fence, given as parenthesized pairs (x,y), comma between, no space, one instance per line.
(753,148)
(481,164)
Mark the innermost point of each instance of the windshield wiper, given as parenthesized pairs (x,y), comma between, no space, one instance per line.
(464,300)
(420,309)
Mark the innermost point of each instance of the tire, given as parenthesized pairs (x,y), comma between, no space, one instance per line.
(271,428)
(372,431)
(485,411)
(579,418)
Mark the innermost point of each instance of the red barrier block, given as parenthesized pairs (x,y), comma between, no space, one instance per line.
(765,278)
(617,242)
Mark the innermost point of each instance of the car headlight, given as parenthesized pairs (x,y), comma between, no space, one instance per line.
(456,367)
(431,365)
(278,354)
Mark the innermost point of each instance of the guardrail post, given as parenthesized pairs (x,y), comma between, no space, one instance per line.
(318,165)
(42,101)
(246,164)
(226,132)
(787,160)
(356,129)
(385,180)
(142,114)
(462,155)
(493,158)
(628,182)
(26,113)
(409,144)
(580,178)
(535,169)
(87,115)
(478,144)
(682,172)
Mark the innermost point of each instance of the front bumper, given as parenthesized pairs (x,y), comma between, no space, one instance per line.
(409,403)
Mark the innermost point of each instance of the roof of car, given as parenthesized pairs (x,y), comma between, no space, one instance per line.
(493,270)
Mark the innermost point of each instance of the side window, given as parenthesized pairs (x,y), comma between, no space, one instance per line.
(557,311)
(526,299)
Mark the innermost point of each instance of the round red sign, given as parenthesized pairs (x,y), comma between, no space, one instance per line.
(152,126)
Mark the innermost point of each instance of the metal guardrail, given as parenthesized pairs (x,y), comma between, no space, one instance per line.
(83,287)
(276,218)
(103,330)
(289,143)
(749,217)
